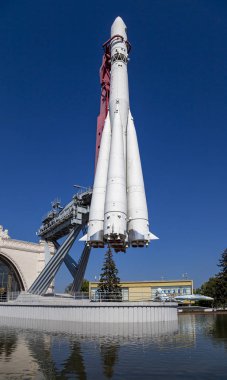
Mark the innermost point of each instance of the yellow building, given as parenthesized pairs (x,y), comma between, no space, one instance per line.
(146,290)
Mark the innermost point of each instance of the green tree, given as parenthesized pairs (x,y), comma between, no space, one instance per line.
(208,288)
(109,287)
(84,287)
(223,262)
(216,287)
(221,289)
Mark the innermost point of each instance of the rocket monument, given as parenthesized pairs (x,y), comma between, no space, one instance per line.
(118,212)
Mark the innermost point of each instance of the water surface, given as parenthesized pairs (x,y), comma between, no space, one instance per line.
(195,347)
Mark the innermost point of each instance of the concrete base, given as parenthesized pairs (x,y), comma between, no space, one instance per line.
(70,310)
(125,331)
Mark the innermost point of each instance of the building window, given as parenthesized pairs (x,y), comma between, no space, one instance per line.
(124,292)
(9,278)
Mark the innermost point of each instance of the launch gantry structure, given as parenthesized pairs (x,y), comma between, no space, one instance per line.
(66,223)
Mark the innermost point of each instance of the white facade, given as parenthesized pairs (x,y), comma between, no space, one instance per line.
(28,259)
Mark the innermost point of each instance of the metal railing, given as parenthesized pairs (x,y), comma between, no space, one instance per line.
(79,297)
(106,296)
(121,296)
(8,296)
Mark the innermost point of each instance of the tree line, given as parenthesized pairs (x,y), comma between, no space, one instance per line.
(216,286)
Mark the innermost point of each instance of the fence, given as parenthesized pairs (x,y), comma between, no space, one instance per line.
(80,297)
(8,296)
(120,296)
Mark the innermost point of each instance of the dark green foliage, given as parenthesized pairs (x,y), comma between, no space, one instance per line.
(221,289)
(84,287)
(208,288)
(216,287)
(223,262)
(109,287)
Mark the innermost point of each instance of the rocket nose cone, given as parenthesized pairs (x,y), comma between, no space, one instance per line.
(119,27)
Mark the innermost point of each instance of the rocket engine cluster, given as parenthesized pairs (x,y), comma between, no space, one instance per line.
(118,212)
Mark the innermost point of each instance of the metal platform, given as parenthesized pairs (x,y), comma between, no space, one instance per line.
(59,221)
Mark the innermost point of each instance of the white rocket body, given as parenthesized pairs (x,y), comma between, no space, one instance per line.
(96,215)
(118,213)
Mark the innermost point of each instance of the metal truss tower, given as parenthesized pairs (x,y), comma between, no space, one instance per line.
(59,223)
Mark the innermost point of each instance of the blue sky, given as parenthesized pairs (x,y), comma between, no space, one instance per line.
(49,95)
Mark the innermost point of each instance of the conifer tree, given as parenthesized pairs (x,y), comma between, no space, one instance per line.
(109,287)
(221,288)
(216,287)
(223,262)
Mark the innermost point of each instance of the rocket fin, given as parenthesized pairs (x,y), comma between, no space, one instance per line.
(83,238)
(153,237)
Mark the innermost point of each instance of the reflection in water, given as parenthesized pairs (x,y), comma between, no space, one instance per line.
(39,346)
(74,364)
(57,356)
(216,328)
(220,328)
(7,344)
(109,354)
(58,350)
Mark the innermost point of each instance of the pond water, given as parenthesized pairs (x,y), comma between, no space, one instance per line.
(195,347)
